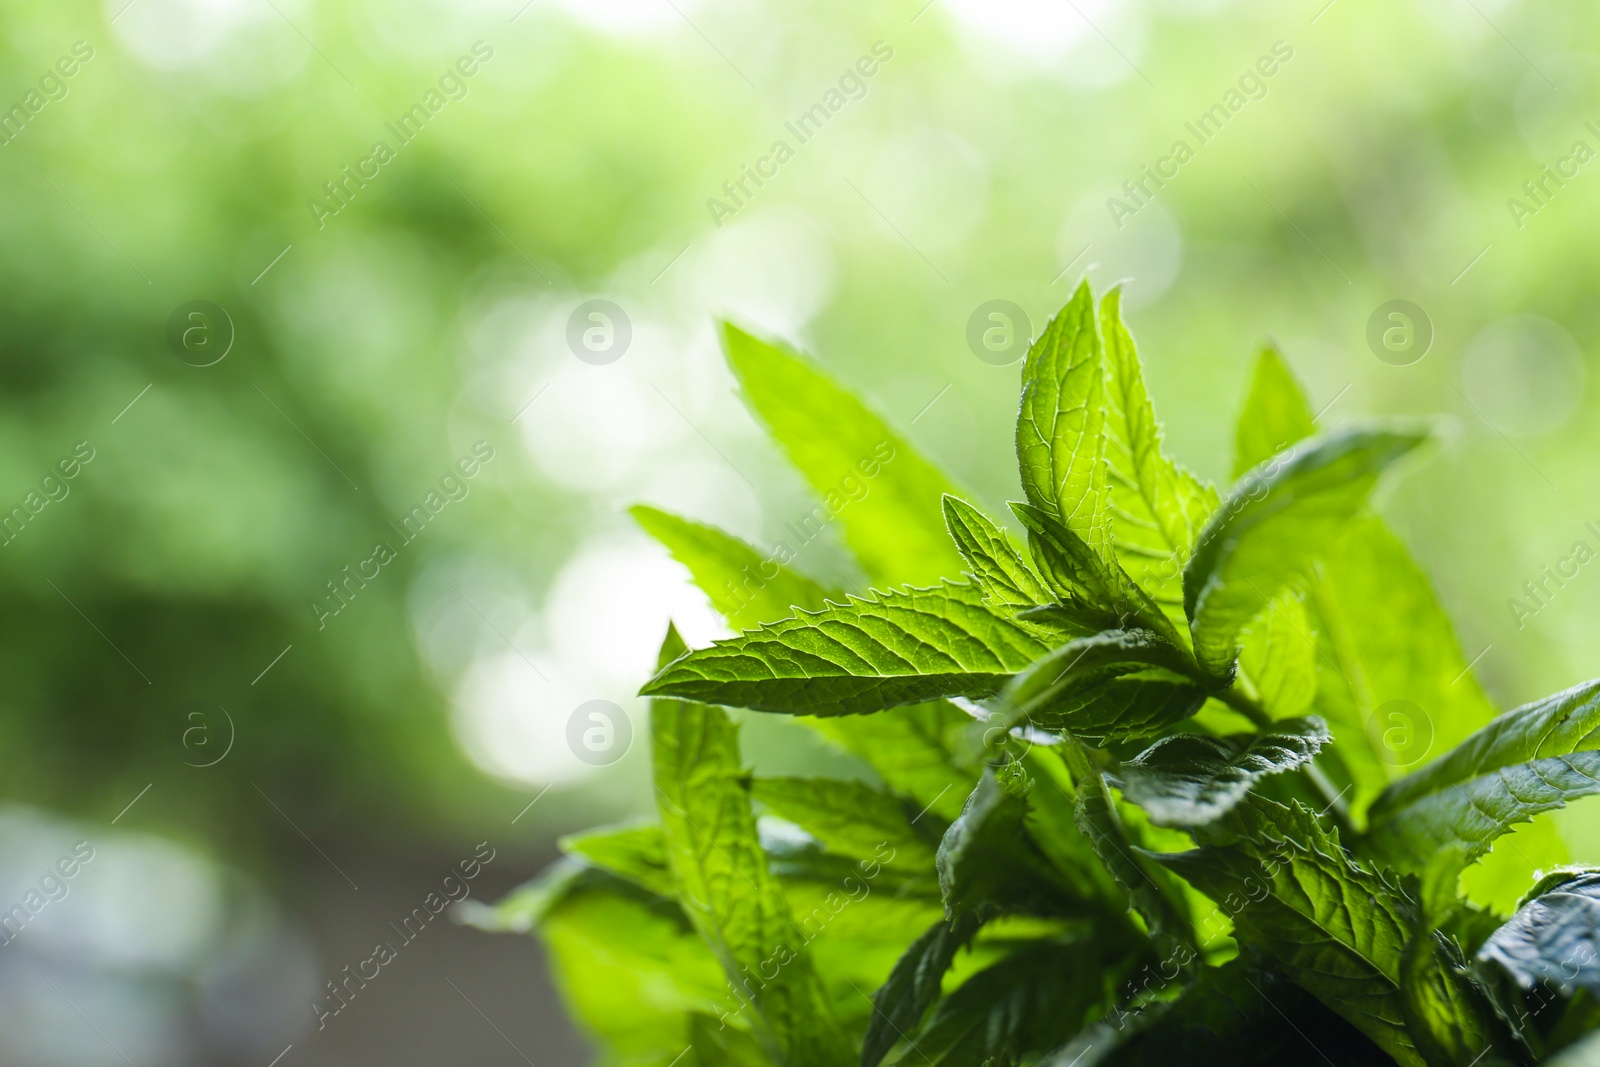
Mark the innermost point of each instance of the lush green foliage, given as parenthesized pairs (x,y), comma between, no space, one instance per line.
(1131,878)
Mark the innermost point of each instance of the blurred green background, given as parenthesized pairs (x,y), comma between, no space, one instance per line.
(299,779)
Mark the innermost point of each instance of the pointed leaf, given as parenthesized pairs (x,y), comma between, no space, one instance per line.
(1381,635)
(1555,936)
(1242,1014)
(1390,640)
(799,862)
(1066,621)
(1278,654)
(1157,508)
(1194,779)
(1274,525)
(1532,759)
(629,965)
(1115,685)
(724,884)
(861,656)
(883,493)
(1154,895)
(637,853)
(914,984)
(1449,1018)
(1060,438)
(1275,414)
(1052,822)
(913,749)
(526,907)
(1006,579)
(988,864)
(1025,1004)
(1091,587)
(848,818)
(1335,927)
(745,586)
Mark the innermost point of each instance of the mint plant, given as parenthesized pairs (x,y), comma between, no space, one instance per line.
(1125,797)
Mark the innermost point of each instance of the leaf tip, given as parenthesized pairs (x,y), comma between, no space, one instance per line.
(673,646)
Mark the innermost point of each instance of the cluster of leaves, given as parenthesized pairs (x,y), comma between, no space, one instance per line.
(1123,804)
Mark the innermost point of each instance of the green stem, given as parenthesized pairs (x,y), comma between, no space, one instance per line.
(1244,705)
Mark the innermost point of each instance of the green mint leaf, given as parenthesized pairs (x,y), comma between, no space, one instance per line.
(745,586)
(858,925)
(989,865)
(1532,759)
(1060,424)
(1274,525)
(862,656)
(1555,936)
(849,818)
(718,1045)
(1158,900)
(1278,654)
(1006,579)
(882,492)
(1052,822)
(914,984)
(525,907)
(1089,586)
(637,853)
(1393,662)
(1450,1020)
(1382,636)
(1275,416)
(1242,1014)
(800,859)
(1027,1003)
(1066,620)
(724,884)
(632,969)
(1191,780)
(1337,928)
(914,751)
(1116,685)
(1157,508)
